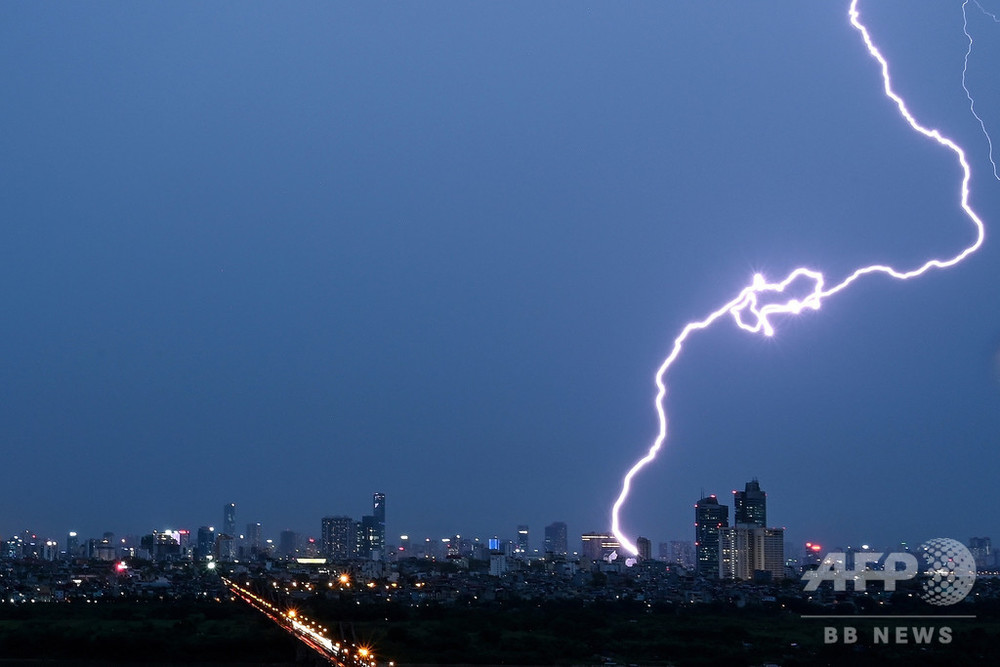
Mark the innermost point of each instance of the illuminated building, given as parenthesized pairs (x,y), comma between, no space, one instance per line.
(750,505)
(254,538)
(598,546)
(378,540)
(72,545)
(205,544)
(225,547)
(366,536)
(556,541)
(709,517)
(521,548)
(769,551)
(748,552)
(338,537)
(736,552)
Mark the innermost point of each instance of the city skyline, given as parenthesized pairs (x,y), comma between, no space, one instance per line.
(342,536)
(284,266)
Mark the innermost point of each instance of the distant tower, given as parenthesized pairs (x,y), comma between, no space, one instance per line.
(556,541)
(288,544)
(981,549)
(229,519)
(378,538)
(366,537)
(751,505)
(206,543)
(709,517)
(645,548)
(522,541)
(254,538)
(72,545)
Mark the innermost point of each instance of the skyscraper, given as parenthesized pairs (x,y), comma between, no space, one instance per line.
(229,519)
(254,538)
(378,539)
(769,551)
(339,537)
(288,544)
(981,549)
(556,540)
(72,545)
(736,552)
(522,541)
(750,505)
(709,517)
(206,543)
(366,536)
(644,547)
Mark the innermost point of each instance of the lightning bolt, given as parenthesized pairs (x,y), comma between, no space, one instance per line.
(965,67)
(754,306)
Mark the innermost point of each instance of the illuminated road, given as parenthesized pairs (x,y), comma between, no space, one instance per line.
(310,633)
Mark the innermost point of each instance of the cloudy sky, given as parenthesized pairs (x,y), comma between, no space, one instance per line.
(290,254)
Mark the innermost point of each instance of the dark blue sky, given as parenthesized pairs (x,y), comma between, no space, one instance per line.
(290,254)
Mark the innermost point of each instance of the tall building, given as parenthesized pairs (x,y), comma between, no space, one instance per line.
(229,519)
(598,546)
(366,532)
(339,537)
(254,538)
(644,547)
(378,511)
(750,505)
(206,543)
(749,552)
(72,545)
(736,552)
(981,549)
(288,544)
(522,541)
(556,539)
(709,517)
(769,551)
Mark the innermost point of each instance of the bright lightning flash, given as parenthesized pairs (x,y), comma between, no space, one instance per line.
(756,303)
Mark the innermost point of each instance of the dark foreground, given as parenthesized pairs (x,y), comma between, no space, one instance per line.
(212,633)
(140,632)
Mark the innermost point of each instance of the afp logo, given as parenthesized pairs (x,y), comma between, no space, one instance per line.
(949,570)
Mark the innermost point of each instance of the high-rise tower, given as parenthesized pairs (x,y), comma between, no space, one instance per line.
(378,537)
(709,517)
(340,537)
(522,541)
(229,519)
(751,504)
(556,542)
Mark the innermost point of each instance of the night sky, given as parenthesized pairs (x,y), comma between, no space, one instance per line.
(289,254)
